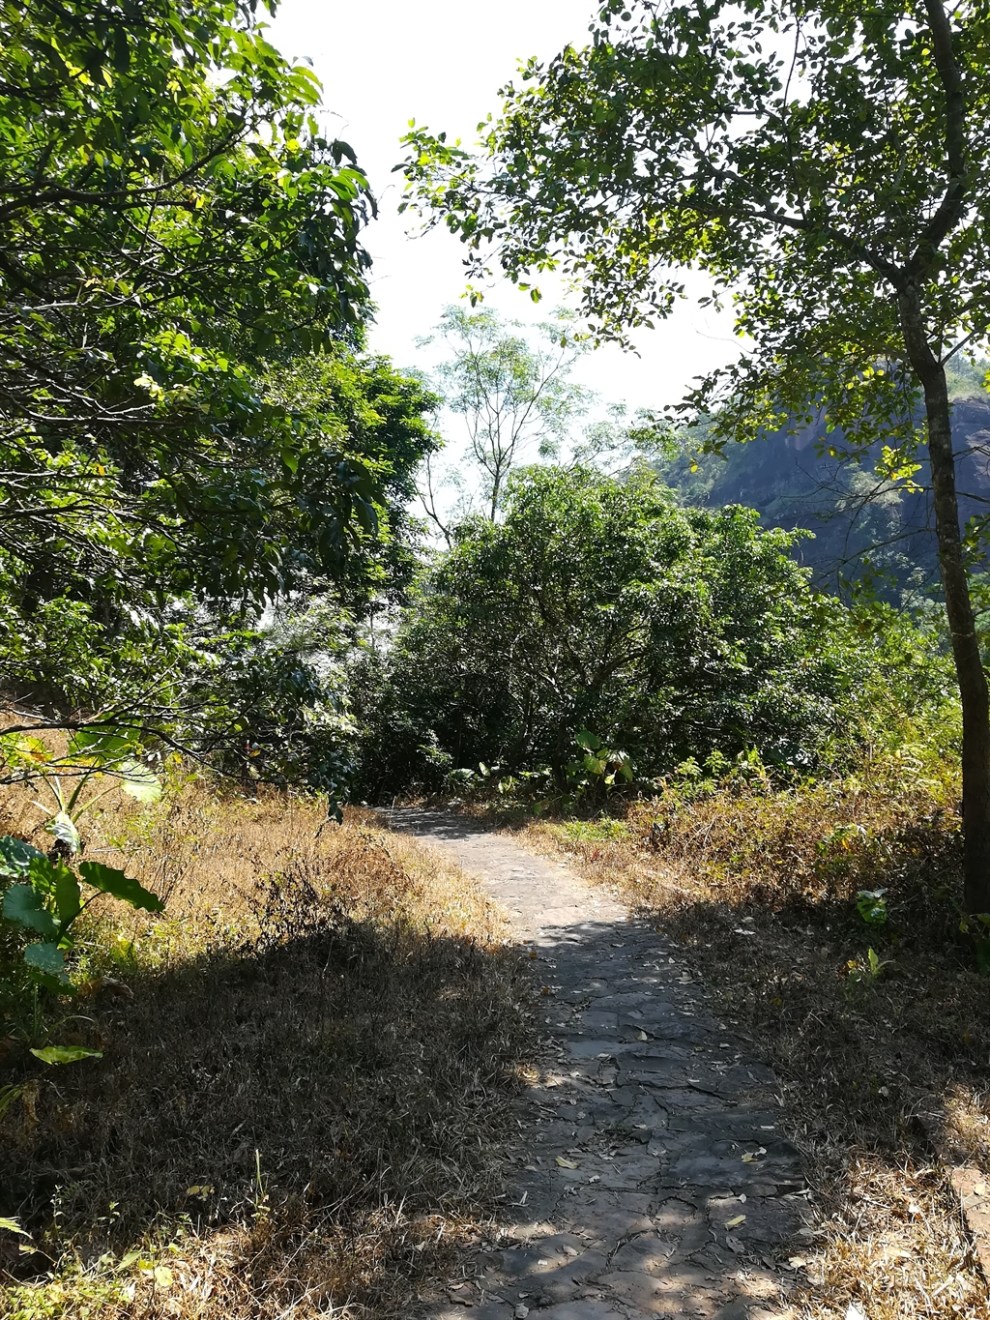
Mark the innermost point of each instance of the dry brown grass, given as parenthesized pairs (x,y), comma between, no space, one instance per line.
(759,888)
(307,1060)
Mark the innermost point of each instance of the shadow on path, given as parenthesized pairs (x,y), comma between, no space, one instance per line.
(649,1177)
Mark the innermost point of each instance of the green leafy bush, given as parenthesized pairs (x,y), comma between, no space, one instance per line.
(600,604)
(44,895)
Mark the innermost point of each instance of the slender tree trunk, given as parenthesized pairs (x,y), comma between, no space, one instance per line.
(958,608)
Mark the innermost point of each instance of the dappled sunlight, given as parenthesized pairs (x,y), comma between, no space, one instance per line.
(650,1174)
(298,1106)
(882,1060)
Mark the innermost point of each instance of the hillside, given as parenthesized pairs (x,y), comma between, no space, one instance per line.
(864,526)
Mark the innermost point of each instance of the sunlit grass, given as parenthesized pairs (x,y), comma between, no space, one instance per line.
(884,1072)
(306,1065)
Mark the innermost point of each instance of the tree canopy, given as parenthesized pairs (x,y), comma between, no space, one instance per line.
(599,604)
(173,221)
(826,166)
(190,429)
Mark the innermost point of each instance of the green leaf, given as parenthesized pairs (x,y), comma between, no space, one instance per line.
(68,903)
(109,880)
(586,739)
(12,1226)
(24,749)
(138,781)
(23,905)
(100,744)
(16,856)
(56,1054)
(47,958)
(64,829)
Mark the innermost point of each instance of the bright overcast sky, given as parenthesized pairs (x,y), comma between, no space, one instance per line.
(441,63)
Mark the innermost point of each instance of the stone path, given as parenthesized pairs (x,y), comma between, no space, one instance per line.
(649,1178)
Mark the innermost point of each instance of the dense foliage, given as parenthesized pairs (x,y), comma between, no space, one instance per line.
(190,430)
(600,605)
(826,168)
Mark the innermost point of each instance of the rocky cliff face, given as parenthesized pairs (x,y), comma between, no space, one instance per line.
(864,527)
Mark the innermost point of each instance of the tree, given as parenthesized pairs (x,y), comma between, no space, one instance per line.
(189,430)
(173,221)
(827,165)
(144,649)
(599,604)
(514,393)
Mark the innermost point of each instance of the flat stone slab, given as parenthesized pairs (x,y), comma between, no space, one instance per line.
(650,1177)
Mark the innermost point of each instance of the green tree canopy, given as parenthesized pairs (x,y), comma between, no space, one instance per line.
(826,165)
(173,220)
(189,428)
(514,392)
(600,604)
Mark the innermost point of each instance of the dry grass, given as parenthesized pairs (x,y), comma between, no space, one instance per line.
(307,1060)
(760,889)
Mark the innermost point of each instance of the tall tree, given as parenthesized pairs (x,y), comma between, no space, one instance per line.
(188,427)
(598,603)
(172,220)
(826,164)
(514,393)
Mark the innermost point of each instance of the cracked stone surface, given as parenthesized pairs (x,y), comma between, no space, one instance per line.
(649,1177)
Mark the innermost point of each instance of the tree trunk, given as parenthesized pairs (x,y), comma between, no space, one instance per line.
(970,673)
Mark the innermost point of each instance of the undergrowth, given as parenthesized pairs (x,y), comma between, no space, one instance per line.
(306,1062)
(826,919)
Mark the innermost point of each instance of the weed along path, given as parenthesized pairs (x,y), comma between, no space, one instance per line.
(649,1177)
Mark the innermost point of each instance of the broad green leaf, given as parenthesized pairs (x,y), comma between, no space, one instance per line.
(587,740)
(47,958)
(64,829)
(101,745)
(16,856)
(56,1054)
(111,881)
(23,905)
(138,781)
(12,1226)
(24,749)
(68,902)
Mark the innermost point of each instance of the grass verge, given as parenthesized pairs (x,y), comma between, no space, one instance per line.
(306,1062)
(872,1008)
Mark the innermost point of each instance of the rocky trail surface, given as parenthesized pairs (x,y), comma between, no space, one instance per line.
(649,1176)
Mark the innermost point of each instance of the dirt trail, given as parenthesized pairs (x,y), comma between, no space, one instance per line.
(649,1178)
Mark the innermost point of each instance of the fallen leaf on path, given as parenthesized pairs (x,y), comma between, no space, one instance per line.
(734,1223)
(565,1163)
(752,1155)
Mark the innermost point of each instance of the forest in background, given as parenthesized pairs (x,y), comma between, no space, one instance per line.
(254,577)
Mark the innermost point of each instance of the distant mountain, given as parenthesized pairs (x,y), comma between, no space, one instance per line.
(865,527)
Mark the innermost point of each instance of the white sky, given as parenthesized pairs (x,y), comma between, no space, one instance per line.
(441,62)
